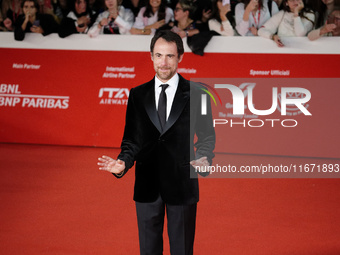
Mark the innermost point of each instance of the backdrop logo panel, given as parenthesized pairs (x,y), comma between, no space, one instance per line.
(121,72)
(286,117)
(11,96)
(296,96)
(273,116)
(293,101)
(113,96)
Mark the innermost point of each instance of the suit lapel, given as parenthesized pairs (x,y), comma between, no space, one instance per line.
(150,105)
(181,98)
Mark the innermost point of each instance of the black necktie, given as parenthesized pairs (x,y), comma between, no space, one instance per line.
(162,105)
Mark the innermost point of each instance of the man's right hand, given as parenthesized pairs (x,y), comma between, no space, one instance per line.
(109,164)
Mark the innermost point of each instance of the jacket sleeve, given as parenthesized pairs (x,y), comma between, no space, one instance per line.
(314,34)
(94,31)
(169,15)
(49,24)
(242,26)
(275,9)
(67,27)
(139,19)
(302,25)
(204,131)
(19,34)
(129,145)
(271,26)
(125,21)
(214,25)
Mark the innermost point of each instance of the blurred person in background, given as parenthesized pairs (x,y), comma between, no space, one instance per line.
(184,25)
(59,9)
(151,17)
(115,20)
(250,15)
(294,20)
(97,5)
(78,20)
(322,27)
(33,21)
(334,18)
(222,21)
(203,9)
(10,11)
(2,27)
(134,5)
(53,7)
(61,6)
(279,4)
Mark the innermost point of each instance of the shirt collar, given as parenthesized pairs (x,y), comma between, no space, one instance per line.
(173,82)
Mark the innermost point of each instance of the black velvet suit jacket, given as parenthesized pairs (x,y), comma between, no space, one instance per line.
(163,157)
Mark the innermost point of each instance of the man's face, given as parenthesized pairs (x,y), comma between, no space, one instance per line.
(165,59)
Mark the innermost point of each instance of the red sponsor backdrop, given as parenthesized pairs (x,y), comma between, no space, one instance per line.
(79,97)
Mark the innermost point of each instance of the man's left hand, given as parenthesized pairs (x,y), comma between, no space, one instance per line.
(201,163)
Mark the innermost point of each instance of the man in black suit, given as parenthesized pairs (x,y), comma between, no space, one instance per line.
(162,117)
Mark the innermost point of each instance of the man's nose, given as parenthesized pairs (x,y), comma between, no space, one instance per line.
(164,61)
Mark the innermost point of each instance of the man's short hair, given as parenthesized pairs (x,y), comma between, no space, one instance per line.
(168,36)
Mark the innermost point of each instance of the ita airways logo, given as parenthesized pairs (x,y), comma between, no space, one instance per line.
(113,96)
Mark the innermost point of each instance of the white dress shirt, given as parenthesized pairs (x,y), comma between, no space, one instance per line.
(170,92)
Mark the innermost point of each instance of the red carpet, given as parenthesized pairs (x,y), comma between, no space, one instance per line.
(54,200)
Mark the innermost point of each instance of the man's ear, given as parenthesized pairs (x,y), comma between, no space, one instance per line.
(151,56)
(180,58)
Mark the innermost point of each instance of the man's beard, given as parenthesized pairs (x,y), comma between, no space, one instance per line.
(165,74)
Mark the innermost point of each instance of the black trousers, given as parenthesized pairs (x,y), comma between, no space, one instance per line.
(181,227)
